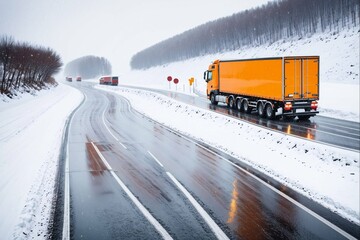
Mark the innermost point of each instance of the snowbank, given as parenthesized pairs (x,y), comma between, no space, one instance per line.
(325,174)
(31,130)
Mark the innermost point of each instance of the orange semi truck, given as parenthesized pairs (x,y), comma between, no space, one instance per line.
(276,87)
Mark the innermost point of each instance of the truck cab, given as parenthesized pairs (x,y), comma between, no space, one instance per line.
(212,80)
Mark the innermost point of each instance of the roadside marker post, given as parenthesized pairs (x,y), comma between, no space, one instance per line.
(176,81)
(191,81)
(169,78)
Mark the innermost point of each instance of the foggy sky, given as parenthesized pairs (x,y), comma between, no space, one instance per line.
(114,29)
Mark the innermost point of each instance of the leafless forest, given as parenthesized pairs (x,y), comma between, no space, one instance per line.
(88,67)
(23,65)
(277,20)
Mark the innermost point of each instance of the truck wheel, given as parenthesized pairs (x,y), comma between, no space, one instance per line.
(212,99)
(260,109)
(231,103)
(238,105)
(269,111)
(246,106)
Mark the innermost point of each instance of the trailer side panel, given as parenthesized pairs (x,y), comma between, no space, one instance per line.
(261,78)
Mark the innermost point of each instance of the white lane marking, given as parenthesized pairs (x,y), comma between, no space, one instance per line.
(214,227)
(101,157)
(66,221)
(143,210)
(156,159)
(103,119)
(320,218)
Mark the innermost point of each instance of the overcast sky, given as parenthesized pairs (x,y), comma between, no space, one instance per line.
(114,29)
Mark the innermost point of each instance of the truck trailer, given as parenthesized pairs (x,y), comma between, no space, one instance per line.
(109,80)
(276,87)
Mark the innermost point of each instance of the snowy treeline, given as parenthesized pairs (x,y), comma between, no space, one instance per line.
(24,65)
(88,67)
(276,20)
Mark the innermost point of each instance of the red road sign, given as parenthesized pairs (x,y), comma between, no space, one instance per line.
(169,78)
(176,81)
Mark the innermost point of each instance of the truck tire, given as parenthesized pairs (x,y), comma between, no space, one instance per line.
(238,105)
(231,103)
(269,111)
(246,107)
(212,99)
(260,109)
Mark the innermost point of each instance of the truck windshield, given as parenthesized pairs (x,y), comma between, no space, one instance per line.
(207,76)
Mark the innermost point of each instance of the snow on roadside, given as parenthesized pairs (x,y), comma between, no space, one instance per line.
(31,130)
(323,173)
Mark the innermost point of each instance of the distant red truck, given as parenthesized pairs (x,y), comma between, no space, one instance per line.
(109,80)
(78,78)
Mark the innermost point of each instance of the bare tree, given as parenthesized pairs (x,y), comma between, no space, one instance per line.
(6,51)
(22,64)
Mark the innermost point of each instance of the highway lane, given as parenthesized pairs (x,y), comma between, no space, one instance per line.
(146,157)
(337,132)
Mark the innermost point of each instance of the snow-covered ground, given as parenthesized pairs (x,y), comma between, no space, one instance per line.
(31,130)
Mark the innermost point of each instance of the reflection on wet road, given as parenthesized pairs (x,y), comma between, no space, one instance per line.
(108,138)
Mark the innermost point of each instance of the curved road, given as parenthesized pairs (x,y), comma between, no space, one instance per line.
(132,178)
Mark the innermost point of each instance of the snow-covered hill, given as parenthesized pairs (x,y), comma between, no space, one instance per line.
(339,69)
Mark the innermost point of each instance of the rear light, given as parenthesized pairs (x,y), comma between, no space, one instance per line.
(288,106)
(314,105)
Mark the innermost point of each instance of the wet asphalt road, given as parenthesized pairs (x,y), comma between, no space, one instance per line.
(337,132)
(143,155)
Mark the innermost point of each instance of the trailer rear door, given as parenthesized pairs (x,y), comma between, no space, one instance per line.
(301,78)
